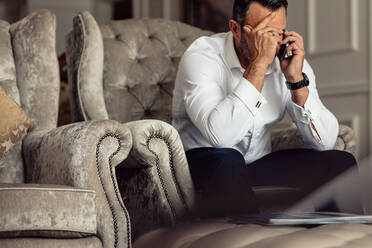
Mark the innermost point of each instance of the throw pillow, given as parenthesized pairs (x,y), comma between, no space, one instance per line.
(14,123)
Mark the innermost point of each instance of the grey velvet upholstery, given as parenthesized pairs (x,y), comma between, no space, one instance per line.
(85,155)
(76,215)
(136,77)
(11,166)
(158,154)
(91,242)
(85,209)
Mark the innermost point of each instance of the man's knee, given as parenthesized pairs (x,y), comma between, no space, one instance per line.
(340,160)
(228,157)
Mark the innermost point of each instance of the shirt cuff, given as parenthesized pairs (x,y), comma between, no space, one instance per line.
(307,114)
(311,109)
(249,96)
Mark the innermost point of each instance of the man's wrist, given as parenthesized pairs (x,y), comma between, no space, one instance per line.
(255,68)
(255,74)
(294,78)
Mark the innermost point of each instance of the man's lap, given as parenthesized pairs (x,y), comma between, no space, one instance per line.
(292,168)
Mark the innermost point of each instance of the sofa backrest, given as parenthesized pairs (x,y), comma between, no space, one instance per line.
(141,59)
(29,74)
(125,70)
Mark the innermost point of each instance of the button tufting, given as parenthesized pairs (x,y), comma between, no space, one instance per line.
(117,36)
(147,112)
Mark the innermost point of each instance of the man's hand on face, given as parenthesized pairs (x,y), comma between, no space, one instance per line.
(292,66)
(262,42)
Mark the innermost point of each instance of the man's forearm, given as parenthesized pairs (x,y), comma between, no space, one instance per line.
(300,96)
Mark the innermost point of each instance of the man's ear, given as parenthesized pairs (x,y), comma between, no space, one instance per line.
(235,29)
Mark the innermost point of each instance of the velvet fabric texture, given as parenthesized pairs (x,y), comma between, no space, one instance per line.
(11,164)
(14,123)
(159,154)
(91,242)
(33,43)
(82,155)
(85,155)
(119,57)
(58,212)
(153,177)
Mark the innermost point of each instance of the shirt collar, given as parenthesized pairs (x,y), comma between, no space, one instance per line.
(231,57)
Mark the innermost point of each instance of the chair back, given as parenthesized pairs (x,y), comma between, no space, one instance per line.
(29,74)
(141,59)
(129,66)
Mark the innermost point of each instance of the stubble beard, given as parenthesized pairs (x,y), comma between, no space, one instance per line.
(244,49)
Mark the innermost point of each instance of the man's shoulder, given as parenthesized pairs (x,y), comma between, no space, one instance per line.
(209,45)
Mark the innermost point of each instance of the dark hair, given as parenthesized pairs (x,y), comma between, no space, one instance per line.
(242,6)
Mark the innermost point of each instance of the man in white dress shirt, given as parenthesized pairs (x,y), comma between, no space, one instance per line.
(231,88)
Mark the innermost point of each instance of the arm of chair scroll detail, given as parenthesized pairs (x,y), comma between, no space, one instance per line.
(85,155)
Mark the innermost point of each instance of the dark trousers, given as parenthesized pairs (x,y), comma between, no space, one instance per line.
(225,182)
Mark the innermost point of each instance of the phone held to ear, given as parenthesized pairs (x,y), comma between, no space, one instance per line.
(283,50)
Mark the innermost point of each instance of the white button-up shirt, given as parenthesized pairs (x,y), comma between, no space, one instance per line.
(215,106)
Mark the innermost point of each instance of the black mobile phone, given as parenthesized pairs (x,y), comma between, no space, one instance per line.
(283,52)
(283,49)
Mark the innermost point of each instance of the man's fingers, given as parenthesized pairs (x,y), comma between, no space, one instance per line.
(264,22)
(247,29)
(293,33)
(294,39)
(293,49)
(290,39)
(270,30)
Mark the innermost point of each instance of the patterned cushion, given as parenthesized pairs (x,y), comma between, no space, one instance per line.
(14,123)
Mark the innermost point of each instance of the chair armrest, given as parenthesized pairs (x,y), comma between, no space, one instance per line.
(157,176)
(85,155)
(290,138)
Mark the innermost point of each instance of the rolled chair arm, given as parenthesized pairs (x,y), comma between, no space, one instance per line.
(156,177)
(85,155)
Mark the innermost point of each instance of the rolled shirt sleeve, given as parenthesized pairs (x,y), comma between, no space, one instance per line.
(316,113)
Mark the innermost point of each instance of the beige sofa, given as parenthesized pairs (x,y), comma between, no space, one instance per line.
(125,71)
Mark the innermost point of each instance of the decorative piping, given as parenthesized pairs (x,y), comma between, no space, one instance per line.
(117,194)
(82,50)
(179,192)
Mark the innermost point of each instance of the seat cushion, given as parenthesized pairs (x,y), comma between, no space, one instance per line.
(46,211)
(220,233)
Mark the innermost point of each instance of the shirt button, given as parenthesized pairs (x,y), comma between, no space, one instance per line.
(258,105)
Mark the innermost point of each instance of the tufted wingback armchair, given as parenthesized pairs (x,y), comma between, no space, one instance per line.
(57,186)
(125,71)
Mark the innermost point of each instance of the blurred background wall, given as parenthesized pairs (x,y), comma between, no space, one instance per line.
(337,35)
